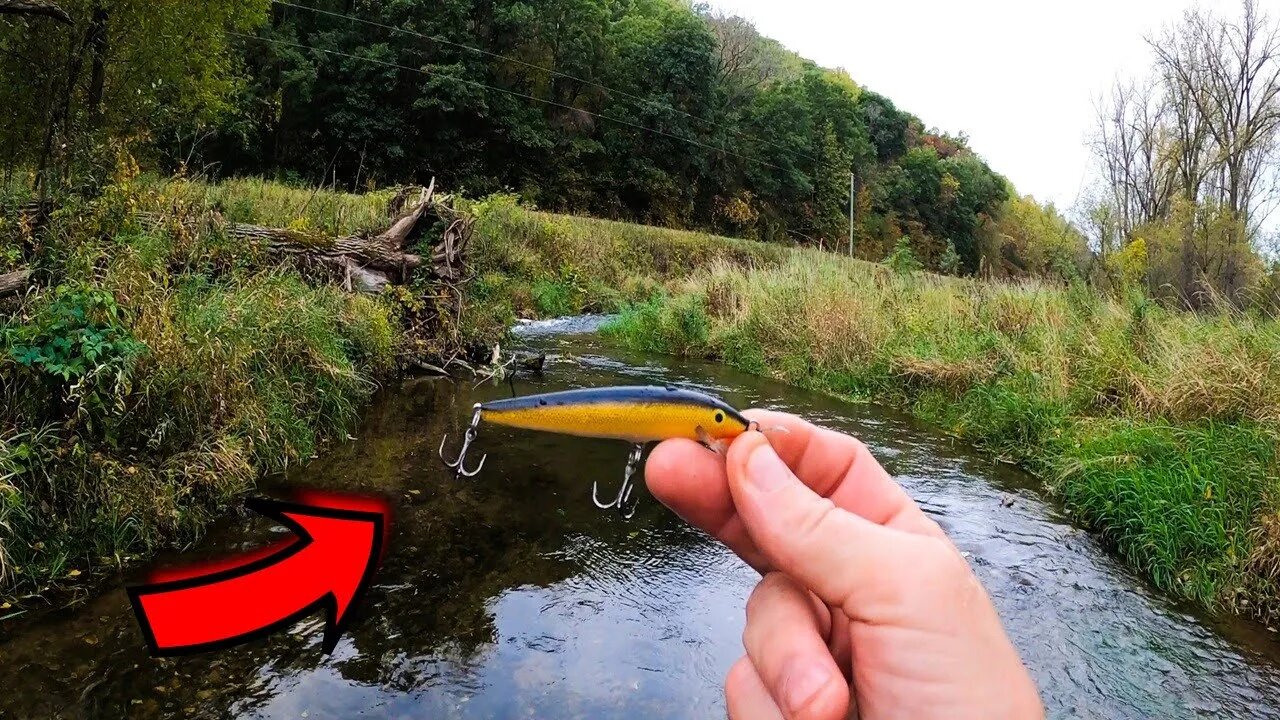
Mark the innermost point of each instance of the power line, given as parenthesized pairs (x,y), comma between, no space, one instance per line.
(549,71)
(514,93)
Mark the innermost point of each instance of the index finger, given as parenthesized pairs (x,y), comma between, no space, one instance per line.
(692,481)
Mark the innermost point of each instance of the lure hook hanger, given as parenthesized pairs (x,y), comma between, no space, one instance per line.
(622,503)
(459,465)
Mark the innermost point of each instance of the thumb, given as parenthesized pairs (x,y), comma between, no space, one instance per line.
(870,571)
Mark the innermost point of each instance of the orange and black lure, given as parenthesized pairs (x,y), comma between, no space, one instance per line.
(638,415)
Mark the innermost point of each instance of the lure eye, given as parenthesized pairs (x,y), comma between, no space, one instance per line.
(719,417)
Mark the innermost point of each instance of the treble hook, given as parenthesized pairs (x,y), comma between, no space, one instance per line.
(457,465)
(623,503)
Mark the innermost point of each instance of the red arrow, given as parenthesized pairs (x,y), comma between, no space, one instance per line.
(328,565)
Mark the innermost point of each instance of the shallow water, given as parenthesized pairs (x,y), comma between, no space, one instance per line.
(510,595)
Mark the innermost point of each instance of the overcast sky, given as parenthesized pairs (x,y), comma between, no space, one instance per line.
(1019,77)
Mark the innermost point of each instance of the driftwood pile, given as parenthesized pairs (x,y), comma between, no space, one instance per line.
(369,263)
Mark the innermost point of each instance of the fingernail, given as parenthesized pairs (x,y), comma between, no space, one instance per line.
(765,470)
(802,684)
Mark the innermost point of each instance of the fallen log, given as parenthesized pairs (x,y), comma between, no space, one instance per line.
(359,257)
(14,283)
(368,264)
(365,252)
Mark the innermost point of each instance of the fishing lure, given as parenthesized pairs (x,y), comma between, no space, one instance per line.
(638,415)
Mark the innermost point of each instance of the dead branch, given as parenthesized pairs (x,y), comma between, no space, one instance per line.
(14,283)
(35,8)
(429,368)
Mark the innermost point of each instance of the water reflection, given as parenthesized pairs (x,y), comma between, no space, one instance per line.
(510,595)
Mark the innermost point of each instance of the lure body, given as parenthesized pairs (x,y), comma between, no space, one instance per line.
(635,414)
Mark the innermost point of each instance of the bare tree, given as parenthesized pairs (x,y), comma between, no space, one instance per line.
(741,64)
(1095,215)
(1229,71)
(1189,150)
(1133,144)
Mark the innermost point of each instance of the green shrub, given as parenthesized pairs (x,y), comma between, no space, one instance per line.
(678,325)
(903,259)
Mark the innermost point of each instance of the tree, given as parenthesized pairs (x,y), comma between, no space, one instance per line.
(1228,70)
(1027,238)
(1198,255)
(950,198)
(742,65)
(123,69)
(1189,159)
(1133,145)
(886,126)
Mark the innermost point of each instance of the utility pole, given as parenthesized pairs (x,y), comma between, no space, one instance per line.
(853,199)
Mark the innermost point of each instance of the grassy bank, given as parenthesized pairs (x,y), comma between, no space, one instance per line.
(535,265)
(1158,429)
(156,372)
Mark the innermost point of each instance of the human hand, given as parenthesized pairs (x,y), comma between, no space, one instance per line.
(866,609)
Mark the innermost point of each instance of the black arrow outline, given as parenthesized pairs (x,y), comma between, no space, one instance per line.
(276,510)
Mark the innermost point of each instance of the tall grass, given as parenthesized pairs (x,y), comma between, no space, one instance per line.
(1159,429)
(534,264)
(263,202)
(166,369)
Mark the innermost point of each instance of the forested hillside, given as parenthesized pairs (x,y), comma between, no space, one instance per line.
(644,110)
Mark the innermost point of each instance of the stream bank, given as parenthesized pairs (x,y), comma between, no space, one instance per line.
(511,595)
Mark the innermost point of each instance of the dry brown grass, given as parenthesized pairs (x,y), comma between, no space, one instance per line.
(955,376)
(1223,379)
(1264,563)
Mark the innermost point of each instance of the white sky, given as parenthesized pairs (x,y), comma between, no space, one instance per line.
(1018,76)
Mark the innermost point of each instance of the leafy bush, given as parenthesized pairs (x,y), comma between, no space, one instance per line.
(903,259)
(79,332)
